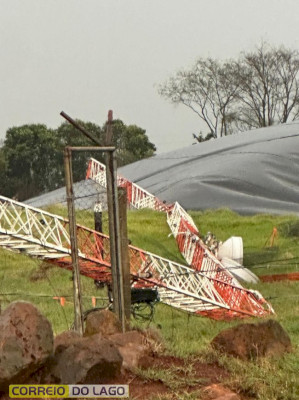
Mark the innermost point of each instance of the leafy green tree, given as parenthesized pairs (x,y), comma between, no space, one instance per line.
(3,173)
(31,159)
(131,142)
(68,135)
(29,153)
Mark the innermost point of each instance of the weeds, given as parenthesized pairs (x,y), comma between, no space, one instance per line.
(185,335)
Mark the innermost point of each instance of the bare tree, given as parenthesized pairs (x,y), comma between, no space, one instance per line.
(268,87)
(208,89)
(288,70)
(260,89)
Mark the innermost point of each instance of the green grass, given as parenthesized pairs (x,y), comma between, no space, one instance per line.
(256,233)
(185,335)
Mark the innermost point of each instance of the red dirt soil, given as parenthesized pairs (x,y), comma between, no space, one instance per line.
(292,276)
(192,375)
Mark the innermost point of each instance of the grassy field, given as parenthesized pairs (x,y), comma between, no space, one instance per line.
(186,335)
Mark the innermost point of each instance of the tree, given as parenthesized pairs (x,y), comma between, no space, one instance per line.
(31,159)
(3,173)
(29,153)
(131,142)
(259,89)
(208,89)
(201,138)
(268,87)
(68,135)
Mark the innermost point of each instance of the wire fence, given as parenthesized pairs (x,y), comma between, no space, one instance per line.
(86,192)
(90,197)
(51,289)
(89,257)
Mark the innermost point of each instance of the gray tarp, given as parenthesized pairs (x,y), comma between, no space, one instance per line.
(86,193)
(250,172)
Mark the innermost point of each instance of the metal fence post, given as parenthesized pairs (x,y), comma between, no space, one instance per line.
(113,212)
(122,197)
(115,243)
(73,239)
(114,227)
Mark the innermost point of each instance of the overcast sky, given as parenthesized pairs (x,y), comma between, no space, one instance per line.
(88,56)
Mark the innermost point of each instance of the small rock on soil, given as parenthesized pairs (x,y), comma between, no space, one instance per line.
(104,322)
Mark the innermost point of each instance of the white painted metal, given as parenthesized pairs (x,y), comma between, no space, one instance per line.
(37,233)
(176,215)
(196,253)
(232,248)
(179,221)
(241,273)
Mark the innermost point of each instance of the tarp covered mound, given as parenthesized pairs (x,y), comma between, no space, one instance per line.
(86,193)
(250,172)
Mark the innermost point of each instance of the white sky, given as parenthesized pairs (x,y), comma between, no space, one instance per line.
(88,56)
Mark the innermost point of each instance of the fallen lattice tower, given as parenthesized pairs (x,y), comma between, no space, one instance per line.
(45,236)
(195,252)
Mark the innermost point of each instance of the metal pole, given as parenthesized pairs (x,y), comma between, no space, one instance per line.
(73,239)
(113,212)
(114,229)
(114,233)
(122,202)
(79,127)
(98,217)
(109,131)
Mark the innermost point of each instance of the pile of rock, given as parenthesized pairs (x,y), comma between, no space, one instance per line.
(30,354)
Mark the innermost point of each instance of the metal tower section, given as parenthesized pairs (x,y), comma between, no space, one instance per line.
(39,234)
(183,228)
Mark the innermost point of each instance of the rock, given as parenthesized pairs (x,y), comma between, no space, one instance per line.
(132,347)
(154,339)
(86,360)
(26,339)
(219,392)
(104,322)
(249,341)
(121,339)
(64,340)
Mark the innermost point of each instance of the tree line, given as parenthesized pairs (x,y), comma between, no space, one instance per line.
(259,89)
(31,158)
